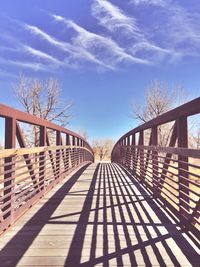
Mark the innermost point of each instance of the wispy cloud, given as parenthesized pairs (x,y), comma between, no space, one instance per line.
(6,48)
(113,18)
(39,54)
(123,38)
(181,31)
(72,51)
(7,74)
(136,41)
(141,46)
(24,64)
(37,31)
(189,21)
(103,48)
(161,3)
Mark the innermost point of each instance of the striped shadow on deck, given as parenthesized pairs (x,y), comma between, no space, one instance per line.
(99,216)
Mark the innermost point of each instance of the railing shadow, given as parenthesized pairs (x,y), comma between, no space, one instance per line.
(128,229)
(120,224)
(39,219)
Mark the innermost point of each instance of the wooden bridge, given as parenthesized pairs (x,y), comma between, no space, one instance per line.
(59,208)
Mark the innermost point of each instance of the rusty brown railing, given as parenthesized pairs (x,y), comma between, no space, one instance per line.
(27,173)
(172,172)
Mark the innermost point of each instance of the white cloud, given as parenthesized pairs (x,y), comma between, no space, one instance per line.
(64,46)
(42,55)
(183,25)
(113,18)
(23,64)
(103,48)
(161,3)
(123,38)
(7,74)
(148,46)
(177,28)
(73,52)
(6,48)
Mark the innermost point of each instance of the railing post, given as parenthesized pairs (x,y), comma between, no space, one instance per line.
(182,135)
(122,152)
(68,152)
(154,142)
(141,143)
(73,151)
(133,153)
(81,151)
(42,164)
(128,150)
(9,176)
(78,151)
(84,151)
(58,153)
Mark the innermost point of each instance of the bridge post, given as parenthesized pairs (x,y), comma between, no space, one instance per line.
(141,143)
(73,151)
(154,142)
(81,151)
(123,151)
(42,157)
(68,154)
(182,134)
(78,150)
(128,150)
(133,153)
(9,168)
(58,153)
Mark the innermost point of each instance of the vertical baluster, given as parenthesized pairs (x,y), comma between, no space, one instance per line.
(42,157)
(9,177)
(68,153)
(133,154)
(73,151)
(141,143)
(58,153)
(183,168)
(154,142)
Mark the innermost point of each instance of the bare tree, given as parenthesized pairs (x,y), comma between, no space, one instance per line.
(102,149)
(43,99)
(194,138)
(197,139)
(159,98)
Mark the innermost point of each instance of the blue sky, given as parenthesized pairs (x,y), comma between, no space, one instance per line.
(105,53)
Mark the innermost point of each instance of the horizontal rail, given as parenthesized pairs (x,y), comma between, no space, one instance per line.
(185,110)
(24,151)
(172,173)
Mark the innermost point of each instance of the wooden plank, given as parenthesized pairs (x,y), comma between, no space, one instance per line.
(87,220)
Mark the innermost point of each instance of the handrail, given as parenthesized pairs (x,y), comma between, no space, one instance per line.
(28,173)
(185,110)
(172,173)
(9,112)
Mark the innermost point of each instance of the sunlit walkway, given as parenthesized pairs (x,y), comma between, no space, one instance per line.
(100,216)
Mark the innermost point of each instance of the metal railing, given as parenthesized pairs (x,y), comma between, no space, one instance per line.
(172,172)
(27,173)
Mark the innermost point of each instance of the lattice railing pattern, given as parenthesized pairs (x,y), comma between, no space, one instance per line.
(27,173)
(172,173)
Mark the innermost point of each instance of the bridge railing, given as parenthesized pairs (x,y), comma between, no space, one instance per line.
(171,172)
(27,173)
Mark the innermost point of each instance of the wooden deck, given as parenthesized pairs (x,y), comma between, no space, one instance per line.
(100,216)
